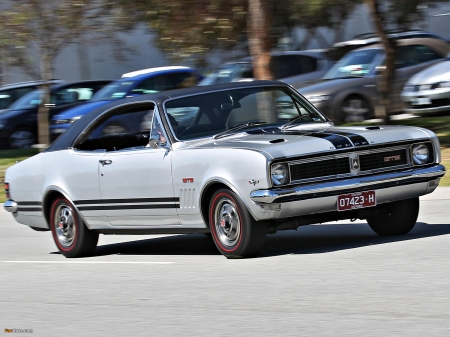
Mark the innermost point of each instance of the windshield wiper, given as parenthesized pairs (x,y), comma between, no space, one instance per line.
(299,118)
(235,128)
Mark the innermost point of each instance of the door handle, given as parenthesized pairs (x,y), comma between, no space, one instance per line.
(105,162)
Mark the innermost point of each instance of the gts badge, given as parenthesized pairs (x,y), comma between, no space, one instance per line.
(253,182)
(188,180)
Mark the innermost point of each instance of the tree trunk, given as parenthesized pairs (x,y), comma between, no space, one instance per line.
(387,78)
(42,116)
(260,42)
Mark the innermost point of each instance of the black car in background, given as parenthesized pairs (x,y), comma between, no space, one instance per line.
(18,124)
(10,93)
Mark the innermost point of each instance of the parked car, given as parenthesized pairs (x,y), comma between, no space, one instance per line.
(298,68)
(12,92)
(428,91)
(256,158)
(18,124)
(339,49)
(348,91)
(131,84)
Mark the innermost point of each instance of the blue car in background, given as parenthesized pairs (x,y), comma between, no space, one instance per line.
(131,84)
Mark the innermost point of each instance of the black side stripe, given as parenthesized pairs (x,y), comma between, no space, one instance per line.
(119,207)
(124,201)
(29,209)
(29,203)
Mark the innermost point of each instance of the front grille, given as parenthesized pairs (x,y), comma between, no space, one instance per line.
(323,168)
(380,160)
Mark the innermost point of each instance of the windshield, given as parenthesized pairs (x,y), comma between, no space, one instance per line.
(357,63)
(239,110)
(115,90)
(229,72)
(28,101)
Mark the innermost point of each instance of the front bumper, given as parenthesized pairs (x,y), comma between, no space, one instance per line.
(358,184)
(426,101)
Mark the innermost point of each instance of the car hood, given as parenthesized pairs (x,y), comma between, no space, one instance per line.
(436,73)
(80,110)
(310,140)
(329,87)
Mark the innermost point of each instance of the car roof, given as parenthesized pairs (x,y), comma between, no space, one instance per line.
(438,45)
(66,139)
(79,83)
(155,70)
(27,84)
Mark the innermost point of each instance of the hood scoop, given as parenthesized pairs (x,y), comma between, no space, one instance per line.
(274,141)
(373,128)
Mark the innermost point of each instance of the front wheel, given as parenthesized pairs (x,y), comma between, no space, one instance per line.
(395,218)
(70,234)
(355,109)
(235,232)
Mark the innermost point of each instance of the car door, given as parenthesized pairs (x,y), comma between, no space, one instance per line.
(135,180)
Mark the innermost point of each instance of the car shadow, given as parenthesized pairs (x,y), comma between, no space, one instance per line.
(315,239)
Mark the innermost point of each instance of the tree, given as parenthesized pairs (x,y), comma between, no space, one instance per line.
(46,28)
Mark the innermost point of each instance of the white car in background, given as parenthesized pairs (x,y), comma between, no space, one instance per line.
(428,92)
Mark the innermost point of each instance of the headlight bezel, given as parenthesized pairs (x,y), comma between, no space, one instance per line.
(415,160)
(276,182)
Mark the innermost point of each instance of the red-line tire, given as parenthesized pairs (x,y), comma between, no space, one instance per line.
(395,218)
(235,233)
(70,234)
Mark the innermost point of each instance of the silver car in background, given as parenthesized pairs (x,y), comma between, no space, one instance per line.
(428,92)
(348,92)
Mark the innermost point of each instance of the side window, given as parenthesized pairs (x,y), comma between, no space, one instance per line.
(308,64)
(150,85)
(5,100)
(181,80)
(70,95)
(119,131)
(409,56)
(285,66)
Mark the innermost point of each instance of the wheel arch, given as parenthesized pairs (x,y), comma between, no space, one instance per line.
(207,192)
(50,196)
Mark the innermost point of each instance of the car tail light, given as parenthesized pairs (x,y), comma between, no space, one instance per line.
(8,196)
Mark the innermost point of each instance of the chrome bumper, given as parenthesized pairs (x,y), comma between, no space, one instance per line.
(10,206)
(357,184)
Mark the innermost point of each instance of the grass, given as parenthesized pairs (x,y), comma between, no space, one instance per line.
(439,125)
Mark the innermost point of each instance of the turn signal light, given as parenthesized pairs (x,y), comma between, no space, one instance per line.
(7,191)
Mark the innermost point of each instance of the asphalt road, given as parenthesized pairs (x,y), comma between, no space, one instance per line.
(337,279)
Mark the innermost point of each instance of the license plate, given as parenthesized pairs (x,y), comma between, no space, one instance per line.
(356,200)
(421,101)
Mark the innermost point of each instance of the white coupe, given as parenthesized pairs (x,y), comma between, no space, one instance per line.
(237,160)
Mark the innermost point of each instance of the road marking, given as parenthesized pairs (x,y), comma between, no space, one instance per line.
(92,262)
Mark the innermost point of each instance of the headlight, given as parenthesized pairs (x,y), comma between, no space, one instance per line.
(66,121)
(318,99)
(444,84)
(420,154)
(279,174)
(424,87)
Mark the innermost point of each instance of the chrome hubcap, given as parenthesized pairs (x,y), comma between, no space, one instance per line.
(355,110)
(227,223)
(65,225)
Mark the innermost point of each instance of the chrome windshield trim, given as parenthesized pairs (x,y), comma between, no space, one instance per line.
(343,186)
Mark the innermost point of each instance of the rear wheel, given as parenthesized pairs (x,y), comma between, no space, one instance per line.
(235,232)
(71,235)
(395,218)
